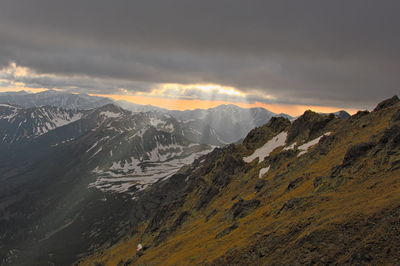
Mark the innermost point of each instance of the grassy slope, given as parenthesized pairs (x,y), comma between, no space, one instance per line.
(368,192)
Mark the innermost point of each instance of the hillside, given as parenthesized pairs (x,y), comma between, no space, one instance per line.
(66,174)
(320,190)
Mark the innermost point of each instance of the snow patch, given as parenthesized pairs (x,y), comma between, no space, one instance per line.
(132,175)
(263,171)
(110,114)
(265,151)
(304,148)
(290,147)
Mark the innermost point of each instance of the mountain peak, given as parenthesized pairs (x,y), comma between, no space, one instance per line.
(342,114)
(387,103)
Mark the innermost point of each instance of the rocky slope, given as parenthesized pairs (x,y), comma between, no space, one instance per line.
(320,190)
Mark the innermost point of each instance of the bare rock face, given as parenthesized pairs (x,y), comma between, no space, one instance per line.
(387,103)
(396,117)
(243,207)
(356,151)
(308,126)
(294,183)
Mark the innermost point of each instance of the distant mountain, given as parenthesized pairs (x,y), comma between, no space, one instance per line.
(19,124)
(139,107)
(199,131)
(342,114)
(230,122)
(53,98)
(220,125)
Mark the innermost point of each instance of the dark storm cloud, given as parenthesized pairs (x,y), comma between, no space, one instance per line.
(307,52)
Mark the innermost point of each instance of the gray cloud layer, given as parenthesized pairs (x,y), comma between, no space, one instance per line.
(343,52)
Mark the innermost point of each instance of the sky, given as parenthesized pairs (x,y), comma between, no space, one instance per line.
(287,56)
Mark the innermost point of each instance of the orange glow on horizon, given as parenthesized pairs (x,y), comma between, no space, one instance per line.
(183,104)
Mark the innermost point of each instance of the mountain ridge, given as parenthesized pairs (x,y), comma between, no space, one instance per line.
(219,125)
(328,194)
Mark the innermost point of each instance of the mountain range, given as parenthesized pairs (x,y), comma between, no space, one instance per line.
(221,125)
(53,98)
(87,185)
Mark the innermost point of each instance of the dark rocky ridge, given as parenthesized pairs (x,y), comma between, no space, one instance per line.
(340,242)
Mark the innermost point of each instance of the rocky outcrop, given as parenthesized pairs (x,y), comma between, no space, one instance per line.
(259,136)
(294,183)
(395,117)
(225,169)
(308,126)
(243,207)
(387,103)
(359,114)
(227,230)
(356,151)
(291,205)
(206,197)
(391,137)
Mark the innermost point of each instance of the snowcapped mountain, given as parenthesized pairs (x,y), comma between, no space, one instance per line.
(19,124)
(229,122)
(129,151)
(53,98)
(342,114)
(198,131)
(216,126)
(139,107)
(120,149)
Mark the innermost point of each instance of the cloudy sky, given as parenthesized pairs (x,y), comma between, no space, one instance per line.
(279,54)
